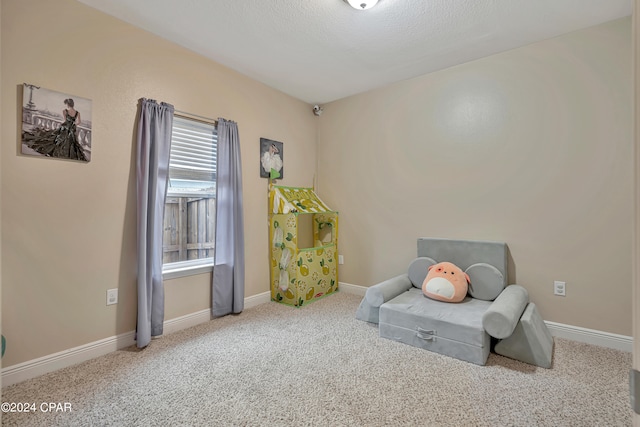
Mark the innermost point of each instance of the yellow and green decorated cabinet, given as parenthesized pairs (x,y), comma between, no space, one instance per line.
(303,242)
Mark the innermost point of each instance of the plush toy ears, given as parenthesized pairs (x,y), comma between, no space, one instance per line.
(465,274)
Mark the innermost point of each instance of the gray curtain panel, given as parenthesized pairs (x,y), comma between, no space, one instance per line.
(228,270)
(153,147)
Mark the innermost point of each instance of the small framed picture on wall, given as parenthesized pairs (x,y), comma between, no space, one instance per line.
(271,159)
(55,124)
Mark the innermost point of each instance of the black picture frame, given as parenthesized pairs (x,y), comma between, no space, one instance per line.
(271,155)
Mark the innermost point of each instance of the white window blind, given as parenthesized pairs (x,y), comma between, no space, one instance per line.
(193,159)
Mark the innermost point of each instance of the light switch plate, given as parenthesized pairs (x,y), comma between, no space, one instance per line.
(112,296)
(560,288)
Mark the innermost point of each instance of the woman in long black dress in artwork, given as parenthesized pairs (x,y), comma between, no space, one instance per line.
(61,142)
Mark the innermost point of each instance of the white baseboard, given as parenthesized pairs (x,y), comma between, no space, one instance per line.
(193,319)
(574,333)
(352,289)
(52,362)
(591,336)
(183,322)
(257,299)
(40,366)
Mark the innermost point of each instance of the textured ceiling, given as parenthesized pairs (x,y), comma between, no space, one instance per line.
(322,50)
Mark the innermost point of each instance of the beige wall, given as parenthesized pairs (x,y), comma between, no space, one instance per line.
(68,228)
(532,147)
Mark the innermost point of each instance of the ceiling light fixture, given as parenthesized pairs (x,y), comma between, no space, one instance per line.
(362,4)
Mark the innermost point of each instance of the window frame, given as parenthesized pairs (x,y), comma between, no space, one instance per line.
(177,269)
(174,270)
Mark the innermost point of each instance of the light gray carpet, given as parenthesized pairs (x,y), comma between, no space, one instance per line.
(275,365)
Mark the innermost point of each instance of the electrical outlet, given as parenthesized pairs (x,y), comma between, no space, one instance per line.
(112,296)
(559,288)
(340,259)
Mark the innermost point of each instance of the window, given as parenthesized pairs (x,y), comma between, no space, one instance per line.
(189,212)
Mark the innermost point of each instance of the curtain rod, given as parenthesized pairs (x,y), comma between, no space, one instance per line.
(195,117)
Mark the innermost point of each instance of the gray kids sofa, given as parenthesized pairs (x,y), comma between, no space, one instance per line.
(462,330)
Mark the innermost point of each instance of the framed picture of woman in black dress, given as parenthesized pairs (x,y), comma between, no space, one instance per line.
(55,124)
